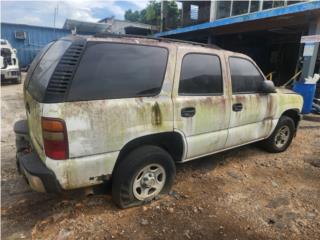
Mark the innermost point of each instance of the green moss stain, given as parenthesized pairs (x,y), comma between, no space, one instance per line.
(156,114)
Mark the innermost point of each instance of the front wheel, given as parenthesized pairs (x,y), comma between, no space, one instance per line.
(281,137)
(142,175)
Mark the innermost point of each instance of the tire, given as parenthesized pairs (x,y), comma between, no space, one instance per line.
(277,142)
(131,180)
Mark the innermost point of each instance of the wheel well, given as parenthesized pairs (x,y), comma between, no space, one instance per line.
(172,142)
(294,114)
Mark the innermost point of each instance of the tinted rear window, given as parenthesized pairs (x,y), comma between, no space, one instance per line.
(41,75)
(113,70)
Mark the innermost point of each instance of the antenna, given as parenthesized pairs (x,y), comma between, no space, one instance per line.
(55,16)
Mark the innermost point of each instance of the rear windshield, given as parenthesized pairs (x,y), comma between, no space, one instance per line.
(42,73)
(115,70)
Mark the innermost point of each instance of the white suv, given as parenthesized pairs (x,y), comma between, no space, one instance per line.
(126,109)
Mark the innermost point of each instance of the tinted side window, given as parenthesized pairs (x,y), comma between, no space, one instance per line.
(200,75)
(245,76)
(113,70)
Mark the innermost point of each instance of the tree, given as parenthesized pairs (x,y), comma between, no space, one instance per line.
(171,13)
(143,17)
(132,16)
(152,14)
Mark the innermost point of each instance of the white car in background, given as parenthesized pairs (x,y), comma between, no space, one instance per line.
(9,63)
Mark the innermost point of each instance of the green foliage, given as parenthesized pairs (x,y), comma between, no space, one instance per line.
(152,14)
(172,16)
(132,16)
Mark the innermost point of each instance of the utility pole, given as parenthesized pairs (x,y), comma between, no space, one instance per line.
(161,17)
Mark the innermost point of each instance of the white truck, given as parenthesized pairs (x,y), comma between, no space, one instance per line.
(9,63)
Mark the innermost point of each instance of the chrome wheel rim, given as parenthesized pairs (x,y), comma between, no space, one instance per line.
(149,181)
(282,136)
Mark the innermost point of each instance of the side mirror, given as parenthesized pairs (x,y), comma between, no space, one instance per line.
(14,51)
(268,87)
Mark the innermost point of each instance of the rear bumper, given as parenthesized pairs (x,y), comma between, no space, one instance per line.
(38,176)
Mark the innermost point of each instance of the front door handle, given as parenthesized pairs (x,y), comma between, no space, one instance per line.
(188,112)
(237,107)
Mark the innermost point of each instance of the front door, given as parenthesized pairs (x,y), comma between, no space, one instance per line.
(201,103)
(250,118)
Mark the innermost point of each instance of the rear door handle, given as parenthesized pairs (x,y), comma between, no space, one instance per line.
(188,112)
(237,107)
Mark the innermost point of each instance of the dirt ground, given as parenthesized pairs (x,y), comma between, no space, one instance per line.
(244,193)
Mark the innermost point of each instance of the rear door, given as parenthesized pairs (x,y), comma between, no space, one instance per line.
(201,103)
(250,118)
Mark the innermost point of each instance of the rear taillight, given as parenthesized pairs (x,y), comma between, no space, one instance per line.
(55,138)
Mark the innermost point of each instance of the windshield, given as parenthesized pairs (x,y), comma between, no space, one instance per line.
(6,57)
(5,52)
(44,69)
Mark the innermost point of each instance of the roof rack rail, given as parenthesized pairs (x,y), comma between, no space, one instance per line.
(105,35)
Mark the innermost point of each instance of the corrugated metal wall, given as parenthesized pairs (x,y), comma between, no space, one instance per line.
(37,37)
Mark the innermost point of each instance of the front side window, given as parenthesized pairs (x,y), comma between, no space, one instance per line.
(200,75)
(114,70)
(245,76)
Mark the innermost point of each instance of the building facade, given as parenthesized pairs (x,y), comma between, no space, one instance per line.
(271,32)
(194,12)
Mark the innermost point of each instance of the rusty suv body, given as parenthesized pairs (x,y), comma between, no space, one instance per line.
(96,105)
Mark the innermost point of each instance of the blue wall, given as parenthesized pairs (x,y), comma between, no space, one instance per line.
(37,37)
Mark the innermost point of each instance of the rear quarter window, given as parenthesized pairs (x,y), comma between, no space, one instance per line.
(35,62)
(115,70)
(43,71)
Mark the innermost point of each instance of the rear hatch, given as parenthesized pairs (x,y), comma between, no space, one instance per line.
(35,87)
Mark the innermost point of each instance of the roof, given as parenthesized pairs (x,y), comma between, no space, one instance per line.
(167,40)
(292,10)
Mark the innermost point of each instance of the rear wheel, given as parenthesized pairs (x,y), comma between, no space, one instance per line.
(281,137)
(142,175)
